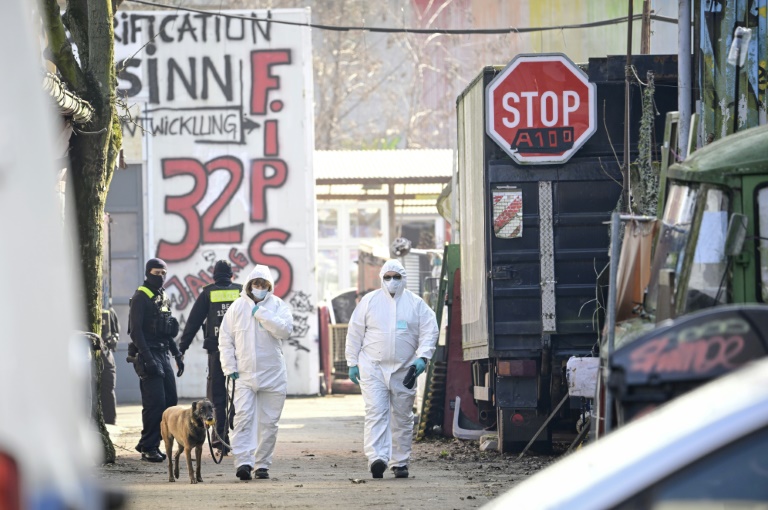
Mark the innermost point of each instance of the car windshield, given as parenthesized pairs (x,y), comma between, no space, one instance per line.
(675,229)
(706,285)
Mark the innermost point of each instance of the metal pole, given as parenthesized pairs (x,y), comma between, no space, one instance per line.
(391,214)
(543,426)
(741,37)
(736,91)
(579,438)
(611,315)
(683,75)
(627,72)
(454,200)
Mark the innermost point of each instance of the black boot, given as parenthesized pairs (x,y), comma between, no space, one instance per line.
(244,472)
(400,471)
(152,456)
(261,473)
(378,467)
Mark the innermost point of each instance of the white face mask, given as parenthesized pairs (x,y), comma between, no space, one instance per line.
(259,293)
(393,285)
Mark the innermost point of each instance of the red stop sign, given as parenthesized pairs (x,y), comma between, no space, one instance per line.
(541,108)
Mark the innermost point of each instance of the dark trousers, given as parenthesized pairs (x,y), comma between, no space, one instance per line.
(108,403)
(217,394)
(158,393)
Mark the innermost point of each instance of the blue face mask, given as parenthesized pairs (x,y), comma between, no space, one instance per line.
(259,293)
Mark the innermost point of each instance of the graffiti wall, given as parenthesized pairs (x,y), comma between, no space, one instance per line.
(723,100)
(223,109)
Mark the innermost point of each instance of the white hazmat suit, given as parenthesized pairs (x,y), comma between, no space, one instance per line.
(386,335)
(251,345)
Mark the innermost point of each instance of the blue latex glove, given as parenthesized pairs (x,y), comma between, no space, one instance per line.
(420,366)
(234,376)
(254,309)
(354,375)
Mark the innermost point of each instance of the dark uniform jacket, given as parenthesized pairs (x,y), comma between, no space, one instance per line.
(146,306)
(208,312)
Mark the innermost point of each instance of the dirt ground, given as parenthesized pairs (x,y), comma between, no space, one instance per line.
(319,463)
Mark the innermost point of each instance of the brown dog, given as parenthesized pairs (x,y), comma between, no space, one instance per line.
(187,426)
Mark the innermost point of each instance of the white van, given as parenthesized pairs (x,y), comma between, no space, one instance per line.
(705,450)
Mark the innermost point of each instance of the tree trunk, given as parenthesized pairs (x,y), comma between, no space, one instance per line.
(91,173)
(93,148)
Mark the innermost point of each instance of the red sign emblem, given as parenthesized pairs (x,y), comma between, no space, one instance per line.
(541,109)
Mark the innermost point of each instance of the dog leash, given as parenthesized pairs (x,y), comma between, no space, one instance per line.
(230,406)
(210,445)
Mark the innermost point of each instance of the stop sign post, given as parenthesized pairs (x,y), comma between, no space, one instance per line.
(541,109)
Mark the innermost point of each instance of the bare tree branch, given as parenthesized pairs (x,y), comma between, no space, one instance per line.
(60,49)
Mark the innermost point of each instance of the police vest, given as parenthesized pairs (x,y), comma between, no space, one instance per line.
(220,298)
(162,324)
(160,300)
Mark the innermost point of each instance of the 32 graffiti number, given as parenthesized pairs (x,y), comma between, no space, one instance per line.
(200,229)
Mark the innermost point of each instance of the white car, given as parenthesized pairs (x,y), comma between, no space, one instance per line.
(47,443)
(707,449)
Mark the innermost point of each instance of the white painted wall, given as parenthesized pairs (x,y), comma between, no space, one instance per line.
(227,148)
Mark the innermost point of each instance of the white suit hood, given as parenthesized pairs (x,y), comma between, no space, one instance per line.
(393,265)
(260,271)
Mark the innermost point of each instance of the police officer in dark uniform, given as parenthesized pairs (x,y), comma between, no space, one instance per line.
(207,313)
(110,333)
(152,330)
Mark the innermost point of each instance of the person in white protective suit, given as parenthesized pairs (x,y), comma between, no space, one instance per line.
(250,342)
(390,330)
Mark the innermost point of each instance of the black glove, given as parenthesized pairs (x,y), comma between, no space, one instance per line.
(410,378)
(150,366)
(180,364)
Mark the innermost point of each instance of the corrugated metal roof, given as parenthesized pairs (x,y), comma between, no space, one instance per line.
(393,164)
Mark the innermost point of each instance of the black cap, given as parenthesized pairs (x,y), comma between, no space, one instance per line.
(154,264)
(222,268)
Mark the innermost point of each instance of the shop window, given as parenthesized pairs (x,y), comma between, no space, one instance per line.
(327,272)
(365,223)
(327,222)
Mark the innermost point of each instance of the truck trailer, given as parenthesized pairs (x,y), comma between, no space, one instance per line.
(533,238)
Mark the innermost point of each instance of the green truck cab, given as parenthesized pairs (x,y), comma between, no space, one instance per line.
(708,271)
(712,247)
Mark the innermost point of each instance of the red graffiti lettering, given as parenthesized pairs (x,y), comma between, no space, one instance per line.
(271,143)
(239,261)
(183,299)
(284,281)
(196,283)
(184,206)
(233,234)
(260,182)
(200,230)
(263,80)
(698,357)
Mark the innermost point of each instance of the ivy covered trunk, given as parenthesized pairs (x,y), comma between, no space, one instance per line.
(93,147)
(91,183)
